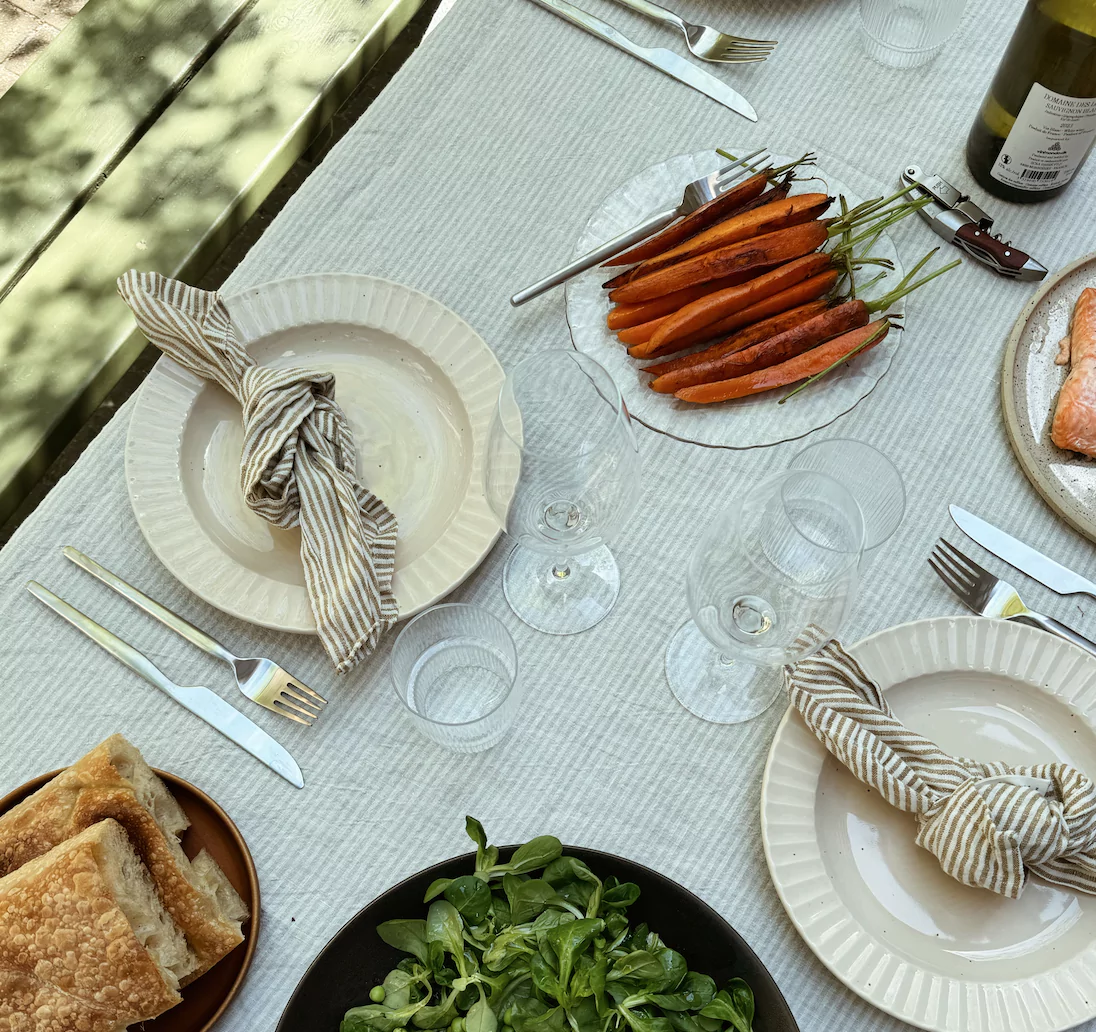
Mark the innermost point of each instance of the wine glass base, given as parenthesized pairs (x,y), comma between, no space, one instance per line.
(718,689)
(561,605)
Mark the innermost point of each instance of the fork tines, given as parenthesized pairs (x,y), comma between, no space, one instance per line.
(290,698)
(741,51)
(734,171)
(958,571)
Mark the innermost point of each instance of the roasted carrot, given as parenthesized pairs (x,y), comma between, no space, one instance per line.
(722,305)
(752,334)
(704,216)
(769,351)
(623,316)
(792,297)
(812,362)
(637,336)
(743,226)
(778,192)
(768,249)
(620,278)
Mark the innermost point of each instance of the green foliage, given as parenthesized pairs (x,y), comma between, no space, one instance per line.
(540,944)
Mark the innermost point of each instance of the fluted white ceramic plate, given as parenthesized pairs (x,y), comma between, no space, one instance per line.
(748,422)
(418,386)
(876,909)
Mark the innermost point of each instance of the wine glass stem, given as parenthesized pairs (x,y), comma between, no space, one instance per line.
(562,569)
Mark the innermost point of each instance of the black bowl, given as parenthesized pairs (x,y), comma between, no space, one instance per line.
(356,959)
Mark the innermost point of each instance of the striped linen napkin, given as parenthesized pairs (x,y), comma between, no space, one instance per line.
(298,462)
(988,824)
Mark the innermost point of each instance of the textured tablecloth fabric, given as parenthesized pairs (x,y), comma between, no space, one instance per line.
(471,176)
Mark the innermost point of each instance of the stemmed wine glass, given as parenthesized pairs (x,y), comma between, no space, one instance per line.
(769,583)
(562,475)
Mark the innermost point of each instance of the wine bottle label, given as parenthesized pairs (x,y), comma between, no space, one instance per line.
(1048,142)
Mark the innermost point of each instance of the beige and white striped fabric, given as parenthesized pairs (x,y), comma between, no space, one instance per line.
(298,463)
(988,824)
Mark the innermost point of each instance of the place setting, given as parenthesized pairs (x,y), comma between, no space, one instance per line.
(329,459)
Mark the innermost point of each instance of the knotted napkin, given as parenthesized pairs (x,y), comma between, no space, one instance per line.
(298,462)
(988,824)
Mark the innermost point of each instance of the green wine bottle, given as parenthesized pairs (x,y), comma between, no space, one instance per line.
(1038,120)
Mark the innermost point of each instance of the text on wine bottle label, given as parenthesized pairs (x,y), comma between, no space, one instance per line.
(1048,142)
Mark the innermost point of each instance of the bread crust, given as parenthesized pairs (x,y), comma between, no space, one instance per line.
(69,958)
(94,789)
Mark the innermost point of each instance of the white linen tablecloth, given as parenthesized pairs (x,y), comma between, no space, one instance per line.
(472,175)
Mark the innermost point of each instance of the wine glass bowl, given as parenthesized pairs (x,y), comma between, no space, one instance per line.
(771,579)
(562,476)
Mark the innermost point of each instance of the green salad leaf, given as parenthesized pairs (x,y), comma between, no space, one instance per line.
(540,943)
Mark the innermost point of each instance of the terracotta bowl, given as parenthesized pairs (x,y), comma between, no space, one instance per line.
(204,1000)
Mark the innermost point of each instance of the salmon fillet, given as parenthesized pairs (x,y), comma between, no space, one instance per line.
(1074,425)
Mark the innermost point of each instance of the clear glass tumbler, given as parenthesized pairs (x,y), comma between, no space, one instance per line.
(455,668)
(769,583)
(905,33)
(562,475)
(870,477)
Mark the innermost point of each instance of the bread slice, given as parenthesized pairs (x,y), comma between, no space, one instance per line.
(113,781)
(85,943)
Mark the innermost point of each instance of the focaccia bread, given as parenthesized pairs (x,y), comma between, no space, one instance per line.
(113,781)
(85,944)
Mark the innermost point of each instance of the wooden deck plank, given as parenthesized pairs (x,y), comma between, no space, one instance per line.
(71,115)
(170,205)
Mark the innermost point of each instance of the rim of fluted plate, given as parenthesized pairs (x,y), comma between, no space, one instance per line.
(795,864)
(164,402)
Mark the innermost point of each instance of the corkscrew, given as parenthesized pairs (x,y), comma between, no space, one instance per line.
(956,218)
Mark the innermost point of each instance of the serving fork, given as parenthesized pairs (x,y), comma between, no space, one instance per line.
(698,192)
(261,680)
(983,593)
(705,42)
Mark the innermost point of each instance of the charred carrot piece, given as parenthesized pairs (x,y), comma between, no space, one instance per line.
(768,249)
(752,334)
(768,352)
(813,362)
(792,297)
(727,307)
(778,193)
(725,204)
(792,211)
(623,316)
(638,336)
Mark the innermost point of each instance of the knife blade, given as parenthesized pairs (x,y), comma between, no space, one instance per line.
(664,60)
(202,702)
(1025,558)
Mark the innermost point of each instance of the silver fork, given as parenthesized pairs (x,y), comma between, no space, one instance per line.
(983,593)
(698,192)
(705,42)
(261,680)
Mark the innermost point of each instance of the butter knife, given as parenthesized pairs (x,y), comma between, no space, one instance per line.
(1025,558)
(200,701)
(664,60)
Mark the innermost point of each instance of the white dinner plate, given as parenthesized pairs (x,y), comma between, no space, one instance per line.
(418,386)
(876,909)
(747,422)
(1030,384)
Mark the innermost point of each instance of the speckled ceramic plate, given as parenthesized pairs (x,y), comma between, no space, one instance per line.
(1029,391)
(876,909)
(745,423)
(418,386)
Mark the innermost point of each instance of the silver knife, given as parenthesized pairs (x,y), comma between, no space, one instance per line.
(664,60)
(1025,558)
(200,701)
